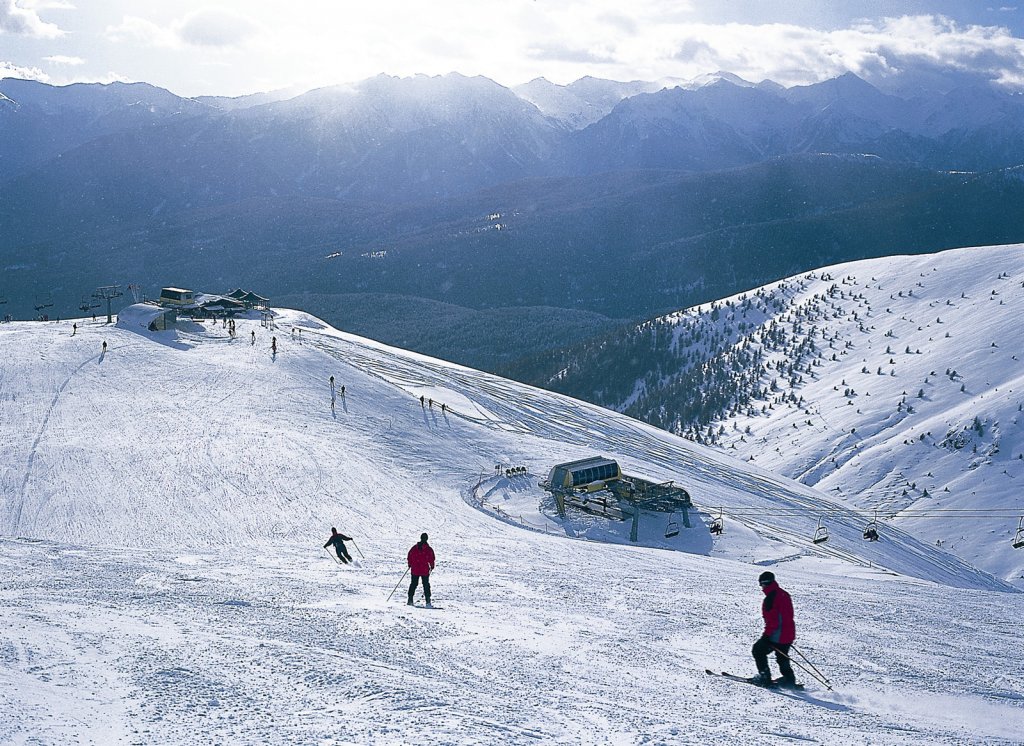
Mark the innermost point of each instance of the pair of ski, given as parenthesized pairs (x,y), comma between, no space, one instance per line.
(338,561)
(776,684)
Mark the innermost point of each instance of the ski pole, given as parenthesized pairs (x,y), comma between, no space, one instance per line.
(808,661)
(398,583)
(358,549)
(809,672)
(331,555)
(802,667)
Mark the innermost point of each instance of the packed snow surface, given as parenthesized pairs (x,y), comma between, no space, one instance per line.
(165,502)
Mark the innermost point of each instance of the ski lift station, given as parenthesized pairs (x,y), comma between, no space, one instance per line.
(210,305)
(589,474)
(597,485)
(177,298)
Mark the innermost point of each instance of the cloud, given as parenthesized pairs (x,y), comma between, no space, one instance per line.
(10,70)
(623,23)
(215,27)
(694,49)
(60,59)
(147,33)
(49,4)
(563,53)
(792,55)
(210,28)
(25,22)
(106,78)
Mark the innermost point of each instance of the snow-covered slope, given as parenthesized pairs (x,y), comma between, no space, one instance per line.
(165,499)
(906,397)
(237,446)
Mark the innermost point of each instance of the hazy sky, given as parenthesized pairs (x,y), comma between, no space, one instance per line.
(232,47)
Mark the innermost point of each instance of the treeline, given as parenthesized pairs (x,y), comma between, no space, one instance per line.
(685,371)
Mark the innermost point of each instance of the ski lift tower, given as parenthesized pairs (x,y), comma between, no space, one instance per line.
(664,497)
(108,293)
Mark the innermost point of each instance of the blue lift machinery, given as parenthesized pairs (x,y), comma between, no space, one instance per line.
(598,486)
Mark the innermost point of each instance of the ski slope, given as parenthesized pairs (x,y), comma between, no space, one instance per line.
(913,405)
(165,502)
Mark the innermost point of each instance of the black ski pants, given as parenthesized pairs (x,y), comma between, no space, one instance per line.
(763,647)
(426,587)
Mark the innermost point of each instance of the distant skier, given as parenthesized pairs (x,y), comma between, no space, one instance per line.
(253,338)
(423,401)
(338,540)
(421,562)
(779,632)
(74,329)
(104,347)
(273,345)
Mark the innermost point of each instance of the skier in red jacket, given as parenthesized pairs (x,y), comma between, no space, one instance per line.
(779,632)
(421,562)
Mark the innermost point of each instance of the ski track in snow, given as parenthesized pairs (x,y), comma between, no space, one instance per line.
(175,589)
(144,647)
(564,420)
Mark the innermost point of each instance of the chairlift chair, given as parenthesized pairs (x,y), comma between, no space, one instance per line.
(717,526)
(672,529)
(871,530)
(820,534)
(1018,539)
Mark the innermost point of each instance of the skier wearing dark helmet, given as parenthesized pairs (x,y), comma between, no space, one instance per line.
(338,540)
(421,562)
(779,633)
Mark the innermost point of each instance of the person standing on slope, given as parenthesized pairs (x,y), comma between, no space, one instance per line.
(779,632)
(421,562)
(338,540)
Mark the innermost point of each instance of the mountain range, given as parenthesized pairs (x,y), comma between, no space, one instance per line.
(620,199)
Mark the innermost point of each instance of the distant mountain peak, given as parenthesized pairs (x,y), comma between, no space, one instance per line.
(718,77)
